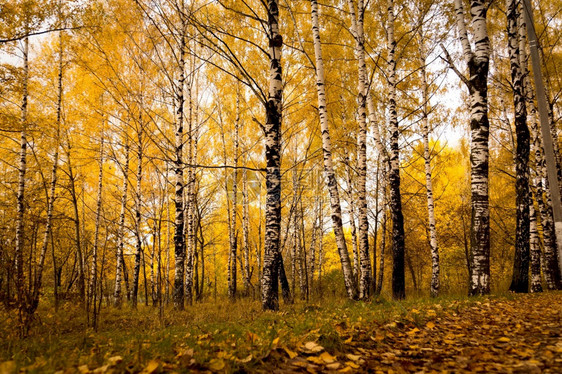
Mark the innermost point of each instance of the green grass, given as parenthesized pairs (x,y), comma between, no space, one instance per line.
(213,330)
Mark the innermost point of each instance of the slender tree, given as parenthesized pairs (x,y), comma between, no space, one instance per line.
(119,261)
(271,260)
(92,290)
(139,250)
(540,184)
(349,279)
(478,61)
(179,239)
(398,244)
(357,27)
(520,280)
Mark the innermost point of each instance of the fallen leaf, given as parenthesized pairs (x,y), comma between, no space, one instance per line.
(152,367)
(253,337)
(327,358)
(430,325)
(333,366)
(352,364)
(413,331)
(316,360)
(216,364)
(290,353)
(101,369)
(8,367)
(311,348)
(246,359)
(115,360)
(504,339)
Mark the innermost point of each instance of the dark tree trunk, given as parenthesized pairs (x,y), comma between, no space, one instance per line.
(271,261)
(520,280)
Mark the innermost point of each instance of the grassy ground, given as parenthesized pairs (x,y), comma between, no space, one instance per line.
(222,336)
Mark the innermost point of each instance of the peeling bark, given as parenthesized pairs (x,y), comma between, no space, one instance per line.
(121,228)
(520,280)
(271,260)
(477,84)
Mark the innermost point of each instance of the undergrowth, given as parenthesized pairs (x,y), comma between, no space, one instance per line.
(237,331)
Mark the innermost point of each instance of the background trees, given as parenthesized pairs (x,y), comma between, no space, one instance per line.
(217,164)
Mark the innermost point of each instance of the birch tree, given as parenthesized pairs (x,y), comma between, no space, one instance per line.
(398,245)
(179,239)
(540,183)
(357,27)
(478,61)
(271,258)
(434,288)
(119,261)
(349,279)
(520,280)
(92,292)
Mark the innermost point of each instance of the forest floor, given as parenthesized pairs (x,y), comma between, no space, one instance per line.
(501,333)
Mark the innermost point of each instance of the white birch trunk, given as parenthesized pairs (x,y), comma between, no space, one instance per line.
(121,228)
(179,238)
(51,193)
(353,227)
(363,92)
(477,83)
(551,272)
(92,297)
(20,233)
(398,250)
(434,288)
(270,286)
(246,232)
(520,279)
(138,221)
(232,277)
(534,240)
(337,224)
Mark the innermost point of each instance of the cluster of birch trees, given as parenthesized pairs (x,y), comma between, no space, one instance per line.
(186,148)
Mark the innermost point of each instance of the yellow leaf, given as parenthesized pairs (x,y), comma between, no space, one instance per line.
(8,367)
(253,337)
(346,369)
(333,366)
(275,342)
(413,331)
(246,359)
(152,367)
(291,354)
(300,364)
(115,360)
(353,357)
(216,364)
(448,341)
(315,360)
(430,325)
(312,347)
(352,364)
(348,340)
(327,358)
(504,339)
